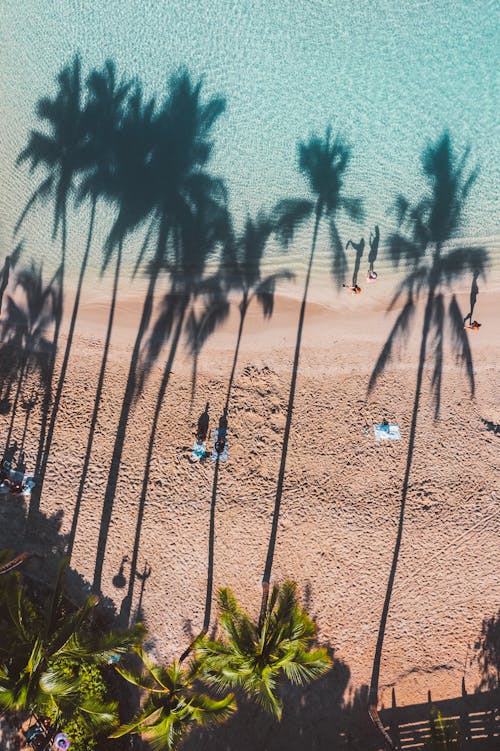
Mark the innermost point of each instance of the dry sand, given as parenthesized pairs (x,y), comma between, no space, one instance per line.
(341,493)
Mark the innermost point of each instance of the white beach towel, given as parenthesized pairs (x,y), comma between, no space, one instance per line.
(199,450)
(28,485)
(387,432)
(225,454)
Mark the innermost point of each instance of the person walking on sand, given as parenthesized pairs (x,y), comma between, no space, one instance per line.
(474,291)
(372,256)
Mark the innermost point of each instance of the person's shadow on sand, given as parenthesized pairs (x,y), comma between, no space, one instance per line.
(203,423)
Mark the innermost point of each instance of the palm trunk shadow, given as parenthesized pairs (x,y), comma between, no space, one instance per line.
(126,608)
(62,375)
(97,405)
(374,683)
(243,312)
(58,314)
(29,407)
(213,503)
(286,437)
(34,504)
(20,381)
(210,568)
(127,402)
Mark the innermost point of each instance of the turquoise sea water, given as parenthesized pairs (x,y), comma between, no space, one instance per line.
(389,74)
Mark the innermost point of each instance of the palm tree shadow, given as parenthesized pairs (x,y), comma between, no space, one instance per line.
(26,351)
(423,231)
(323,162)
(180,310)
(178,205)
(204,232)
(96,407)
(241,270)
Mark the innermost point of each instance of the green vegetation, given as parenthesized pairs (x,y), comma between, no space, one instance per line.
(258,657)
(54,662)
(174,703)
(58,662)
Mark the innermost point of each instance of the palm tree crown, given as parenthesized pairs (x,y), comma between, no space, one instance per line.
(45,649)
(257,657)
(173,705)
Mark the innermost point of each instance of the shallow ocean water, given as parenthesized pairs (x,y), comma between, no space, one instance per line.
(389,75)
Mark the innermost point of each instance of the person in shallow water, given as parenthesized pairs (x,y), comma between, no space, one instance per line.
(372,256)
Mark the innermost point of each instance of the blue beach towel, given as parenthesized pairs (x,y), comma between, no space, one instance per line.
(387,432)
(199,450)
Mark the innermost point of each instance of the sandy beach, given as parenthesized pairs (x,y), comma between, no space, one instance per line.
(341,494)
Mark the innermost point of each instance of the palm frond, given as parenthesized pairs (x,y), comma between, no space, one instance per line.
(143,720)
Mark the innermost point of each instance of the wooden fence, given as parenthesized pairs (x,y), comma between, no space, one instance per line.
(476,718)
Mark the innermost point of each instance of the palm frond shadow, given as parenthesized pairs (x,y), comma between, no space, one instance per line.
(26,351)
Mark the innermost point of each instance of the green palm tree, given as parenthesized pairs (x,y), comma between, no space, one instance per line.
(25,346)
(323,162)
(49,650)
(100,121)
(175,188)
(257,658)
(175,703)
(424,239)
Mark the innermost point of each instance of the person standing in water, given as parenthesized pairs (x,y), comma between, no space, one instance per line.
(372,256)
(359,248)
